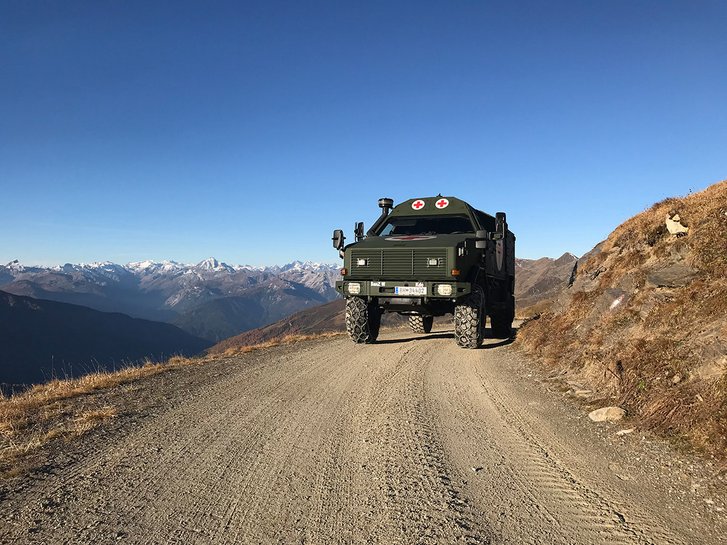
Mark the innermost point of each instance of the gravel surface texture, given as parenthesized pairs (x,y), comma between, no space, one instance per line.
(408,441)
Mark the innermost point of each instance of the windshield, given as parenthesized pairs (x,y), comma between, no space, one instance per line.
(423,225)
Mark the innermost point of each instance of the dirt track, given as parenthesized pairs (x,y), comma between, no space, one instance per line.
(408,441)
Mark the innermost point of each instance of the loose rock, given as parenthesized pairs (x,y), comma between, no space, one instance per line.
(607,414)
(673,276)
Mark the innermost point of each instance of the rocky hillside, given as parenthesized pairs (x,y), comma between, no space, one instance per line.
(645,322)
(210,298)
(43,339)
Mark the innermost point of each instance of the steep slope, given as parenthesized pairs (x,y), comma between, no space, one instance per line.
(645,321)
(40,339)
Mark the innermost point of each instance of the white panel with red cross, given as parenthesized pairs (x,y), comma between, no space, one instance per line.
(442,203)
(418,204)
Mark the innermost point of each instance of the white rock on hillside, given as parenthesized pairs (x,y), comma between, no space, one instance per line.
(607,414)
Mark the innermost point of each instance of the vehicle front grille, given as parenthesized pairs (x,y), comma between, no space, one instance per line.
(399,263)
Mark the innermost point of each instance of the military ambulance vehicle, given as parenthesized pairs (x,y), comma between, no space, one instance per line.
(429,257)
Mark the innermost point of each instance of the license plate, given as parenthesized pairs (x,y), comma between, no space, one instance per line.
(410,290)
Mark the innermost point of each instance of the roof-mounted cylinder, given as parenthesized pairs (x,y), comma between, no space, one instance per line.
(386,204)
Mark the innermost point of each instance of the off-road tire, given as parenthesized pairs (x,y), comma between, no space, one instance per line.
(421,324)
(468,321)
(362,320)
(501,327)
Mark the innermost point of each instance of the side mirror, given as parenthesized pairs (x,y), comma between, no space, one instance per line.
(481,239)
(500,226)
(338,239)
(358,231)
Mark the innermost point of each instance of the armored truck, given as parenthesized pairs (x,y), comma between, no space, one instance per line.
(428,257)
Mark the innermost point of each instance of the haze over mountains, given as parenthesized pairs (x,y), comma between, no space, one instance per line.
(211,299)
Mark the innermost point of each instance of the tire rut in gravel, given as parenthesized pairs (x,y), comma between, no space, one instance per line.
(518,473)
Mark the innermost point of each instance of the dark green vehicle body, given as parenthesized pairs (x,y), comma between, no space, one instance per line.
(427,256)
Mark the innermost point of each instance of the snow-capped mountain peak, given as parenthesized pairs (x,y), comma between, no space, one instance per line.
(15,265)
(308,266)
(212,264)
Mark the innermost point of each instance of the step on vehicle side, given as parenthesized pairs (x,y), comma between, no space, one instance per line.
(429,257)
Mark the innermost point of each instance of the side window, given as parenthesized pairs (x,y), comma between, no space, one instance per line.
(387,230)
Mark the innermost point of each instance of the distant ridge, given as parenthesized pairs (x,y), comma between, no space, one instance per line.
(542,280)
(41,339)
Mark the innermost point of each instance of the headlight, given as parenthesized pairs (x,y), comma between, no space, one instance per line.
(444,289)
(354,288)
(362,262)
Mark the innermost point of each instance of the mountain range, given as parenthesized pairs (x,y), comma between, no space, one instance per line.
(211,299)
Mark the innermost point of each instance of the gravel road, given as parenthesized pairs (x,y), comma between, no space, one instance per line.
(408,441)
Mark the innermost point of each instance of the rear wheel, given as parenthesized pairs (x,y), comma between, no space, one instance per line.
(363,320)
(421,324)
(468,320)
(501,326)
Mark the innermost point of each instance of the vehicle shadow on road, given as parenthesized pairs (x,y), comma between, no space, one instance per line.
(450,335)
(442,335)
(501,342)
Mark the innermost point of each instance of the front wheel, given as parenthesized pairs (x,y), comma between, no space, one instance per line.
(468,320)
(421,324)
(363,320)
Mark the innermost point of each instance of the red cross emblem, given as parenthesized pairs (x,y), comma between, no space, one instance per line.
(417,204)
(442,203)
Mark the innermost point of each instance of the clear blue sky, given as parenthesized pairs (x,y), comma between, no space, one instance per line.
(248,131)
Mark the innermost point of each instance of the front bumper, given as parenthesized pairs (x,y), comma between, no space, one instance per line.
(387,289)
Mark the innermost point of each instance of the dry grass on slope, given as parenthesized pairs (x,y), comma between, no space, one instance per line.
(646,320)
(288,339)
(67,409)
(62,409)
